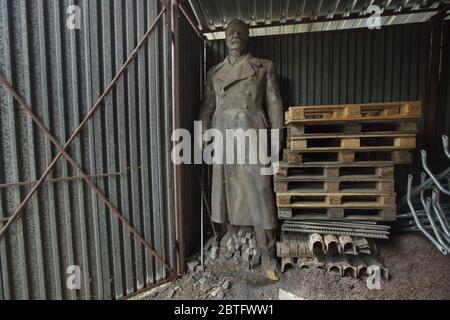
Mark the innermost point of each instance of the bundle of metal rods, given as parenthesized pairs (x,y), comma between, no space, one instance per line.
(357,229)
(429,205)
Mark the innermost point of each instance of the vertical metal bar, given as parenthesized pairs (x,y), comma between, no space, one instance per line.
(77,148)
(55,269)
(203,66)
(351,68)
(5,291)
(336,67)
(103,280)
(176,99)
(413,88)
(389,60)
(397,63)
(368,59)
(310,69)
(297,70)
(122,144)
(25,58)
(326,68)
(382,67)
(304,63)
(201,218)
(1,272)
(375,71)
(143,133)
(133,143)
(5,11)
(156,169)
(358,67)
(110,146)
(168,168)
(318,69)
(184,69)
(286,55)
(96,38)
(4,275)
(433,141)
(343,79)
(406,62)
(62,136)
(424,55)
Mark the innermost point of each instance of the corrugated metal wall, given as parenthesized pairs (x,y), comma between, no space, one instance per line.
(191,79)
(445,88)
(446,72)
(442,117)
(61,72)
(353,66)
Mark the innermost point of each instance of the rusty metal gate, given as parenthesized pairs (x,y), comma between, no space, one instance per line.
(86,180)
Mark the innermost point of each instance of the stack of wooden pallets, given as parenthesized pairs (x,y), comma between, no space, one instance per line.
(339,160)
(336,180)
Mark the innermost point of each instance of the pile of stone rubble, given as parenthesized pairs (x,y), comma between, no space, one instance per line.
(242,248)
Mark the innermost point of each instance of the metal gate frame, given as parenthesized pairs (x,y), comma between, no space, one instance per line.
(62,153)
(169,16)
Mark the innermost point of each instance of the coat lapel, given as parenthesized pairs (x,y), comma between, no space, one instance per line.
(242,70)
(230,74)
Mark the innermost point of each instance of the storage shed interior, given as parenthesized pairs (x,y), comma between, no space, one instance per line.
(323,51)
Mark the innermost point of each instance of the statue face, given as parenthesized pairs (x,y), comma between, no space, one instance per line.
(237,37)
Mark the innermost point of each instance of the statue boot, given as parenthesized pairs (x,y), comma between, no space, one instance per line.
(266,240)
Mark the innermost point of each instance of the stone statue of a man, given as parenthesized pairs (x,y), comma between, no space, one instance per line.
(242,93)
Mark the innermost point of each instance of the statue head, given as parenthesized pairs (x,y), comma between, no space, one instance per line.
(237,37)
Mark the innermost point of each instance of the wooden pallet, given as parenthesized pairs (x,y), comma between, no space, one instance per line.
(362,214)
(355,112)
(334,185)
(353,200)
(360,142)
(347,156)
(355,170)
(352,128)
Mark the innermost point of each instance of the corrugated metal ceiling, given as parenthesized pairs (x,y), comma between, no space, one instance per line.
(328,25)
(293,16)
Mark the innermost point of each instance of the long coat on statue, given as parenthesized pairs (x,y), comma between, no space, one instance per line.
(242,95)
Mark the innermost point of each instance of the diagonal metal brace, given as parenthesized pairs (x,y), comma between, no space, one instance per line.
(83,176)
(439,212)
(446,147)
(416,219)
(431,175)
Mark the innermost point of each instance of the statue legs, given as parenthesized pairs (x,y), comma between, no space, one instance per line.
(266,241)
